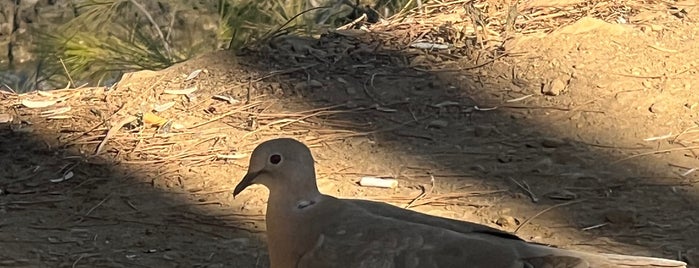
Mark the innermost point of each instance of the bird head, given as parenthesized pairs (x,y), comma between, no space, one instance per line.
(282,162)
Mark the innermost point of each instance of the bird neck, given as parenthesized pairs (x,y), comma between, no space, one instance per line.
(288,212)
(295,196)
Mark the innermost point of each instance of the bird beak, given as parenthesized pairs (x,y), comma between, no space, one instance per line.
(247,181)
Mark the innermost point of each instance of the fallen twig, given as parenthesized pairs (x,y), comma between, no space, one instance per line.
(424,193)
(653,152)
(112,131)
(544,211)
(526,189)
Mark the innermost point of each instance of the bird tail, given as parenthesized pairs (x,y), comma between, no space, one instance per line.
(539,253)
(640,261)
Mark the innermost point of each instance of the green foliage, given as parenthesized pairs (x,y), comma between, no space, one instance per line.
(109,37)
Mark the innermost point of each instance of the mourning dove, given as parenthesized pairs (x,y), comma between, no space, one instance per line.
(307,229)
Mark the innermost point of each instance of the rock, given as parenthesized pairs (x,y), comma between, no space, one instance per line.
(543,166)
(657,108)
(437,123)
(308,84)
(621,216)
(505,158)
(507,221)
(552,142)
(555,87)
(483,130)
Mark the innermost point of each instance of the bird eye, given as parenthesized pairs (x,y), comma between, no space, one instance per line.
(275,159)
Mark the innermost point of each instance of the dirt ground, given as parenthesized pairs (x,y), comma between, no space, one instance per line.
(583,136)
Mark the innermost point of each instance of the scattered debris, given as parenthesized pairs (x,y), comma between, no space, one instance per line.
(186,91)
(595,226)
(193,75)
(524,186)
(163,107)
(55,112)
(378,182)
(562,195)
(38,104)
(485,109)
(663,137)
(445,104)
(67,176)
(520,98)
(228,99)
(428,45)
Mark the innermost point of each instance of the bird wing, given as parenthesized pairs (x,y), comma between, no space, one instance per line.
(353,237)
(390,211)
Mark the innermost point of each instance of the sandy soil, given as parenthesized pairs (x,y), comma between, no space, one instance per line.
(584,136)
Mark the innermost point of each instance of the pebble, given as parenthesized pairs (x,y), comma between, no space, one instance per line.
(504,158)
(552,142)
(438,123)
(621,216)
(483,130)
(507,221)
(543,166)
(308,84)
(555,87)
(657,108)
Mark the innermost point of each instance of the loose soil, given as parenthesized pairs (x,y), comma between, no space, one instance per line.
(583,135)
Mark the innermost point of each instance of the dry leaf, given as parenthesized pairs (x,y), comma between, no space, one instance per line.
(164,106)
(180,91)
(59,117)
(44,93)
(65,177)
(38,104)
(152,119)
(428,45)
(193,75)
(228,99)
(56,111)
